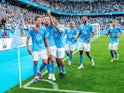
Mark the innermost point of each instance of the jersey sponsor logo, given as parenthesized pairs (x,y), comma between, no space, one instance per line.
(113,34)
(38,37)
(84,32)
(70,35)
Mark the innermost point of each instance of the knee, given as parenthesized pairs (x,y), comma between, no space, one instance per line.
(81,53)
(45,62)
(52,59)
(66,52)
(87,53)
(71,52)
(35,62)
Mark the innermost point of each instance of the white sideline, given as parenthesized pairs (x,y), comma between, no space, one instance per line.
(58,90)
(55,86)
(107,44)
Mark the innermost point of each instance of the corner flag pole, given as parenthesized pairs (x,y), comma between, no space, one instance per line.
(16,42)
(19,68)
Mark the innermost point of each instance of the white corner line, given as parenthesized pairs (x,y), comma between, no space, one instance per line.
(55,86)
(58,90)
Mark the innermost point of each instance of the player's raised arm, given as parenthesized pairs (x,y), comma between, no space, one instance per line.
(51,19)
(59,29)
(54,22)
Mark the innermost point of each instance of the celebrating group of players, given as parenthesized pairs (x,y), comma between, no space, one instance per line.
(47,44)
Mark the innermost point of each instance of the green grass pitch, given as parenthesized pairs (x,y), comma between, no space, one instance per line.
(105,77)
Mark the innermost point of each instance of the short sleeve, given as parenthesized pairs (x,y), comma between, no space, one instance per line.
(119,30)
(91,28)
(30,33)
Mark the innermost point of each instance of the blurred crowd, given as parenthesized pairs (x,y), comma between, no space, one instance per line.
(102,21)
(84,7)
(12,15)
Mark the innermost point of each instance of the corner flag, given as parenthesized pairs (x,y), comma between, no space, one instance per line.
(17,40)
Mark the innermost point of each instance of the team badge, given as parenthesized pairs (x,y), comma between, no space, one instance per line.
(38,37)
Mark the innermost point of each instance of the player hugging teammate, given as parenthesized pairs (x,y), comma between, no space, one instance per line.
(47,44)
(40,47)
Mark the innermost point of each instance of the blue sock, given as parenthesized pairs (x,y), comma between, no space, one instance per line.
(90,56)
(48,68)
(112,54)
(68,54)
(81,59)
(71,57)
(42,67)
(63,70)
(116,53)
(35,70)
(53,67)
(60,68)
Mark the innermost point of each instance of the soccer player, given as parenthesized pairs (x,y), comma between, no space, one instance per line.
(52,47)
(85,35)
(40,47)
(71,32)
(58,36)
(114,33)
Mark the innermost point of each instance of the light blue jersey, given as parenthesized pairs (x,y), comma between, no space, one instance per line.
(51,30)
(70,35)
(114,32)
(38,38)
(85,31)
(58,36)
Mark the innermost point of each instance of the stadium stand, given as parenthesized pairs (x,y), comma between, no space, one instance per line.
(84,7)
(11,13)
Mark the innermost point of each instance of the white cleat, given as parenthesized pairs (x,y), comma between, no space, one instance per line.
(92,62)
(69,63)
(117,57)
(50,76)
(113,60)
(53,77)
(81,66)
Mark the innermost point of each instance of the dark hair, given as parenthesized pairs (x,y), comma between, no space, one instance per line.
(36,17)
